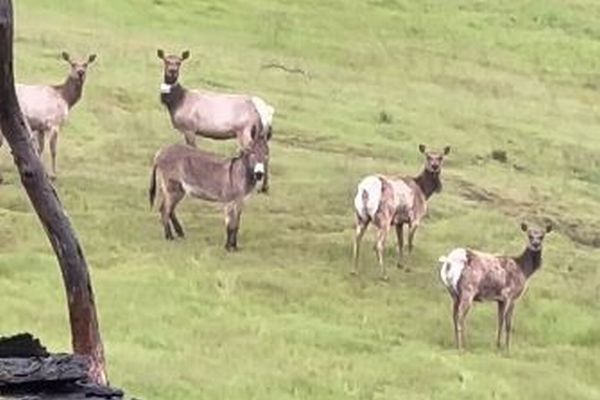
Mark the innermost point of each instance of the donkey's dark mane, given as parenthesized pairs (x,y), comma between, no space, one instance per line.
(242,157)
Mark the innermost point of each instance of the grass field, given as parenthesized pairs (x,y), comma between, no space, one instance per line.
(282,319)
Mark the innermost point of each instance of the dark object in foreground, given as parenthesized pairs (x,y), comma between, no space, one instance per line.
(28,371)
(85,331)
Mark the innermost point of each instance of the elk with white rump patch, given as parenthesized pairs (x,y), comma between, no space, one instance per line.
(180,169)
(212,115)
(395,201)
(471,275)
(46,108)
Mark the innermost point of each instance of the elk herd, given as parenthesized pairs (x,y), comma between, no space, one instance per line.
(386,202)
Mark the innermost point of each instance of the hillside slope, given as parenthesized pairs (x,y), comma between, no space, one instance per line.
(282,319)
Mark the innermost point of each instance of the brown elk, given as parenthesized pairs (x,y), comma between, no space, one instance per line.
(46,108)
(471,275)
(181,170)
(394,201)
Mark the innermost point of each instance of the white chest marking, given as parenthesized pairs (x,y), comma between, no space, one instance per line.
(165,88)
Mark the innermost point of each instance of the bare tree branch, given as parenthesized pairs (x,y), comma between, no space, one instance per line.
(85,333)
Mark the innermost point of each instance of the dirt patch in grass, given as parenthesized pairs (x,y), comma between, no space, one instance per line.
(586,233)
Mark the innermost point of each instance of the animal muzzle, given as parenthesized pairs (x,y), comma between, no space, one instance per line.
(259,171)
(171,77)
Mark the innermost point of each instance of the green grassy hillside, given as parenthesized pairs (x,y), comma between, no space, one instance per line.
(282,319)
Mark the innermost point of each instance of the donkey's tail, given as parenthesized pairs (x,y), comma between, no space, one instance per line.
(152,189)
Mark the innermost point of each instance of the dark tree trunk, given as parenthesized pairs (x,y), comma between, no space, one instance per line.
(80,297)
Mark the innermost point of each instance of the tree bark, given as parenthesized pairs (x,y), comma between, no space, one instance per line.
(85,332)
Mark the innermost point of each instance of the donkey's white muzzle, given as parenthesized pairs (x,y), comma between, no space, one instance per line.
(165,88)
(259,171)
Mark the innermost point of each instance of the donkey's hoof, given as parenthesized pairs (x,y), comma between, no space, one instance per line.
(231,248)
(399,265)
(354,272)
(384,278)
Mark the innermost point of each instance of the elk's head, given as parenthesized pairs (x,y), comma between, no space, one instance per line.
(434,159)
(78,69)
(172,65)
(535,236)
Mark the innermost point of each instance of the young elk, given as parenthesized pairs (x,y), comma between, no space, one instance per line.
(471,275)
(394,201)
(179,170)
(46,108)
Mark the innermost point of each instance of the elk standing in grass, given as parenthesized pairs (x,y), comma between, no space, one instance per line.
(212,115)
(471,275)
(394,201)
(46,108)
(179,170)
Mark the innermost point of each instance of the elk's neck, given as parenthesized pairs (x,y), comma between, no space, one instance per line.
(428,182)
(529,261)
(172,98)
(71,90)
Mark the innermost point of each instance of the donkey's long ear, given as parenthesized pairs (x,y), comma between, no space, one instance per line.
(65,56)
(422,148)
(253,133)
(446,150)
(91,58)
(524,226)
(185,55)
(160,54)
(549,227)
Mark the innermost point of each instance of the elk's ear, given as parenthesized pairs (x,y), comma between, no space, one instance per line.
(524,227)
(422,148)
(91,58)
(549,227)
(185,55)
(160,54)
(65,56)
(446,150)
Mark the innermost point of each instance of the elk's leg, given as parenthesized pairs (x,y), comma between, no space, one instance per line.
(190,138)
(382,233)
(53,143)
(265,183)
(455,320)
(232,222)
(400,236)
(177,195)
(40,142)
(411,236)
(463,308)
(501,317)
(508,323)
(359,231)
